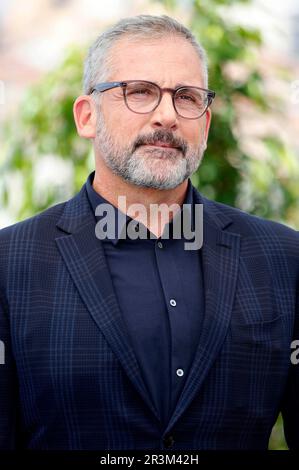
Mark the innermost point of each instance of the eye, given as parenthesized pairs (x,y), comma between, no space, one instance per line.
(190,97)
(139,91)
(186,97)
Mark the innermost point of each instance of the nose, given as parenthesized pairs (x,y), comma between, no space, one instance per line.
(165,115)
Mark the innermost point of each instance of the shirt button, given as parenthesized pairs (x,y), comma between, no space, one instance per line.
(160,244)
(172,302)
(168,441)
(180,372)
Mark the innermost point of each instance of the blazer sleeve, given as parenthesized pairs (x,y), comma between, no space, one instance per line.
(290,404)
(8,383)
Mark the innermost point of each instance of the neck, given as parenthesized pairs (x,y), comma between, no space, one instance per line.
(112,187)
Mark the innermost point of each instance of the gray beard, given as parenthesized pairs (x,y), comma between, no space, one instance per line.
(145,166)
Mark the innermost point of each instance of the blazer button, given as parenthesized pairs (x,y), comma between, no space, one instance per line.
(168,441)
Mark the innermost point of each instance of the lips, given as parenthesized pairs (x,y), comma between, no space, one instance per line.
(161,144)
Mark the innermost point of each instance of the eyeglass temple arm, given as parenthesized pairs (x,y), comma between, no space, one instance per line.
(106,86)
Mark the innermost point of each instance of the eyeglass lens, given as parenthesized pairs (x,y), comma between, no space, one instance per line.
(143,97)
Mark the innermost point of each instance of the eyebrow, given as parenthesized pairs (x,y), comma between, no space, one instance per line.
(182,84)
(178,85)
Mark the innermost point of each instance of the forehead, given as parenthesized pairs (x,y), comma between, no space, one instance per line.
(168,60)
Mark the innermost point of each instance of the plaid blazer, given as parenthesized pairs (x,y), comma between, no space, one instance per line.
(70,379)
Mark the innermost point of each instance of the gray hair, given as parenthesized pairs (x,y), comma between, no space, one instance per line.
(98,62)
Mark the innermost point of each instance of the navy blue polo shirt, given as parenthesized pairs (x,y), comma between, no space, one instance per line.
(160,291)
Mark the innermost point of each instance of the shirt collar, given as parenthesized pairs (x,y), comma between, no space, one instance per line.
(121,219)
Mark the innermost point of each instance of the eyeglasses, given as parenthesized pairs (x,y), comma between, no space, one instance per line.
(142,97)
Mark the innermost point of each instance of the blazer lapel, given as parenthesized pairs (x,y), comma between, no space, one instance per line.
(85,259)
(220,253)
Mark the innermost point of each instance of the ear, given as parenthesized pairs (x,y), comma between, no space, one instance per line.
(85,116)
(208,117)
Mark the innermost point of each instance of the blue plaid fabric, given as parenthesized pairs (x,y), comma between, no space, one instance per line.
(71,379)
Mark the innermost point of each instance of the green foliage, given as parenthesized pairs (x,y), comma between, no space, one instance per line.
(45,127)
(277,441)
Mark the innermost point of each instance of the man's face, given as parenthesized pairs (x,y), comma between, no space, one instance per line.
(123,136)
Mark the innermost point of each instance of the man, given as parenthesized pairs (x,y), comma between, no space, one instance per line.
(126,343)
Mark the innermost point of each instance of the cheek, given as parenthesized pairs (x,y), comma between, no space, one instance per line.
(120,126)
(193,134)
(129,127)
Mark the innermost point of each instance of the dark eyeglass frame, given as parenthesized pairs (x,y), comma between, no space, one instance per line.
(105,86)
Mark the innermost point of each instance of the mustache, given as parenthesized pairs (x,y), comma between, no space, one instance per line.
(161,136)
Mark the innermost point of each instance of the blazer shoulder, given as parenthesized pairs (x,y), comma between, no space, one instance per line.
(41,221)
(248,225)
